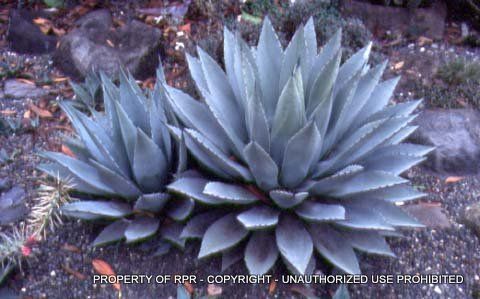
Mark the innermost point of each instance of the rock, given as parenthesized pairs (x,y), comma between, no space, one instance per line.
(95,45)
(429,22)
(17,89)
(456,135)
(471,217)
(25,37)
(4,184)
(12,205)
(429,214)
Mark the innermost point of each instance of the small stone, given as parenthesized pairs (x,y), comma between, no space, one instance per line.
(12,205)
(4,184)
(471,218)
(437,290)
(214,290)
(17,89)
(53,274)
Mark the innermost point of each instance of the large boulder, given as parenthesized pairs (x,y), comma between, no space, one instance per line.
(95,45)
(25,37)
(456,135)
(429,22)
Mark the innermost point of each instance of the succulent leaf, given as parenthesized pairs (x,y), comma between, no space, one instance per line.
(198,224)
(141,228)
(111,233)
(297,144)
(330,244)
(261,253)
(260,217)
(222,235)
(294,242)
(101,209)
(124,153)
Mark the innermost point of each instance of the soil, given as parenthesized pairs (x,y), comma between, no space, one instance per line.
(61,265)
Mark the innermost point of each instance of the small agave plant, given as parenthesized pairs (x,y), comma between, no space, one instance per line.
(125,155)
(303,154)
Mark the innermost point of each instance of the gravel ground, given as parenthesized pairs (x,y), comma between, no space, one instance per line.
(451,250)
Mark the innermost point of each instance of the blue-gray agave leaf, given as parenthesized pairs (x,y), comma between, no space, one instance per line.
(305,151)
(125,153)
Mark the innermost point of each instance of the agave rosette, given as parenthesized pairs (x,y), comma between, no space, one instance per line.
(122,160)
(302,154)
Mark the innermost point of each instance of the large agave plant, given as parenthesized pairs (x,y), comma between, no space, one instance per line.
(123,154)
(303,153)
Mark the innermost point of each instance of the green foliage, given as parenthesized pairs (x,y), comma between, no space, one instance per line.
(299,153)
(54,3)
(287,17)
(261,8)
(89,92)
(9,125)
(460,71)
(457,85)
(11,67)
(124,154)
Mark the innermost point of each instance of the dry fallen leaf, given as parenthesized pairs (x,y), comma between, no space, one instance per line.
(186,28)
(272,287)
(104,268)
(398,65)
(188,286)
(26,81)
(67,151)
(60,79)
(27,114)
(422,41)
(42,113)
(44,25)
(41,21)
(462,102)
(58,31)
(73,272)
(453,179)
(71,248)
(8,112)
(214,290)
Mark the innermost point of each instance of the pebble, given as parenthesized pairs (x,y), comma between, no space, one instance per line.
(437,290)
(53,274)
